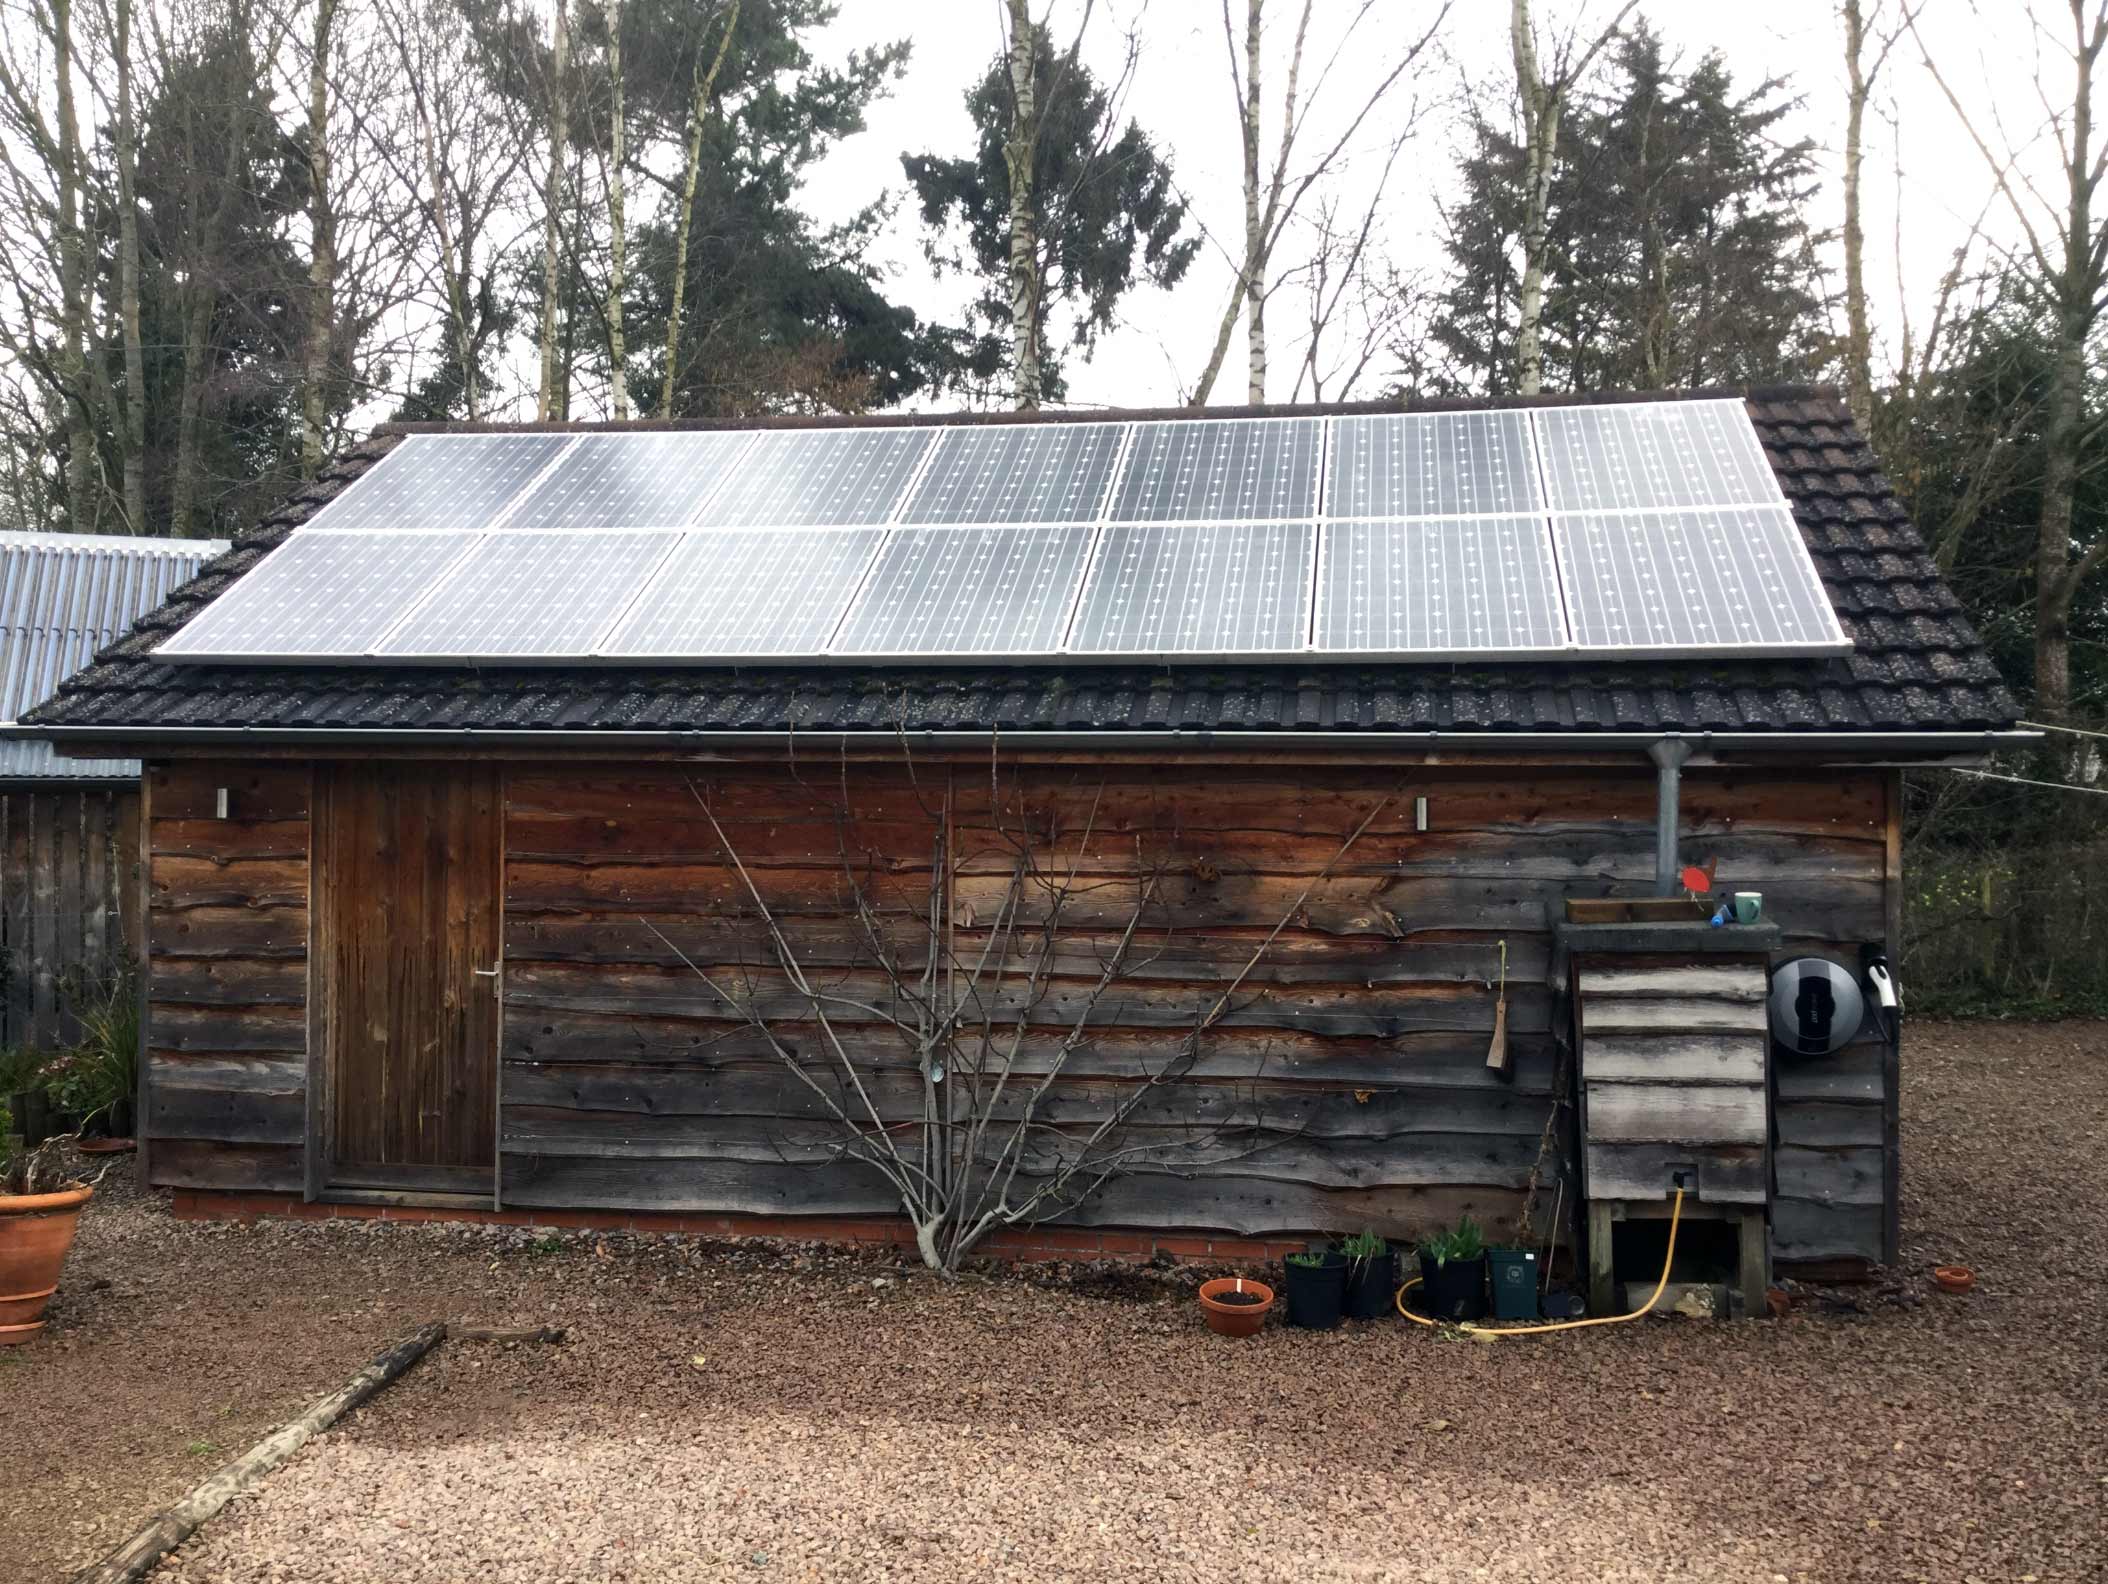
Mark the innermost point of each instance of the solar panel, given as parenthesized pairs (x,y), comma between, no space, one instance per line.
(1220,469)
(1693,581)
(829,477)
(748,592)
(1462,464)
(961,591)
(1004,473)
(321,596)
(1641,454)
(630,480)
(442,481)
(1444,587)
(531,596)
(1197,588)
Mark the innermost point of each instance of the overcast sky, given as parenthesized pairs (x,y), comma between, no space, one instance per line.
(1181,95)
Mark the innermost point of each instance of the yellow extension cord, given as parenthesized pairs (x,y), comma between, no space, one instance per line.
(1675,1215)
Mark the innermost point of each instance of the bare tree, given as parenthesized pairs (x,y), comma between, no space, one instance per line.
(1272,199)
(547,403)
(691,168)
(989,1008)
(1864,28)
(1027,107)
(2064,265)
(618,381)
(322,247)
(1543,97)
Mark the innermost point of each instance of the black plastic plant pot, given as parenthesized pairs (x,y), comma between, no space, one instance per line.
(1316,1293)
(1371,1285)
(1454,1290)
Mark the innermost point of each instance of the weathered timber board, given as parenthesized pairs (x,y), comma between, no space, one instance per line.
(1674,1058)
(1695,1114)
(1727,1173)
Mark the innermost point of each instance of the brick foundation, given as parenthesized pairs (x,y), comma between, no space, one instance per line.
(1013,1243)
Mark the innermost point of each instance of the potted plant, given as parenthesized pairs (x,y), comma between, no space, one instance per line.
(1453,1272)
(1372,1276)
(39,1210)
(1235,1305)
(1317,1287)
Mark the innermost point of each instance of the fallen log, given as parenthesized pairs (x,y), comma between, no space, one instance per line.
(135,1557)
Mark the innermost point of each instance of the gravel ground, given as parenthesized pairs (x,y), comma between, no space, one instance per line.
(762,1413)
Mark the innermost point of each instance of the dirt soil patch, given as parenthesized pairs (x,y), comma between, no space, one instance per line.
(762,1412)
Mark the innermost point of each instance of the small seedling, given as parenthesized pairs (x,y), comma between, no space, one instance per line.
(202,1448)
(552,1244)
(1308,1259)
(1363,1247)
(1464,1241)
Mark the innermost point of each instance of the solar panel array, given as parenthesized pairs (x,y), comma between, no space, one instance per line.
(1645,528)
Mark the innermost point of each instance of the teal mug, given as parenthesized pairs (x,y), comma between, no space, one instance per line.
(1749,906)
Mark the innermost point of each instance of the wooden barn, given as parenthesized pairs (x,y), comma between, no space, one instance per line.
(70,879)
(605,820)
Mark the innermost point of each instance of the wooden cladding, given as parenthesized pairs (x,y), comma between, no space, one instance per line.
(69,900)
(227,929)
(1343,1086)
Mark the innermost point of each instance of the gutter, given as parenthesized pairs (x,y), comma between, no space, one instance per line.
(1965,745)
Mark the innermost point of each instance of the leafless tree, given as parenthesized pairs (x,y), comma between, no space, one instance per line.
(549,402)
(691,167)
(322,246)
(1871,32)
(1273,198)
(618,234)
(2063,263)
(989,1007)
(1541,92)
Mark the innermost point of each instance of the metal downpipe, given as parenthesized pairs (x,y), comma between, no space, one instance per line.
(1668,755)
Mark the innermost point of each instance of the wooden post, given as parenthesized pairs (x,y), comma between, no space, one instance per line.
(1602,1268)
(1755,1273)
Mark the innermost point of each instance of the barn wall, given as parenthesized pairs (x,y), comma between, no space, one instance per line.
(69,898)
(1356,1049)
(1344,1086)
(226,1075)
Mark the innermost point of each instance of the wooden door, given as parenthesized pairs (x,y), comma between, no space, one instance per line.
(408,911)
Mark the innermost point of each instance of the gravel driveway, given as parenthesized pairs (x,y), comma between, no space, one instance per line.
(761,1415)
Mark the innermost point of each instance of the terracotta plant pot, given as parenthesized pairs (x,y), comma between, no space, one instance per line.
(1954,1278)
(1238,1315)
(36,1230)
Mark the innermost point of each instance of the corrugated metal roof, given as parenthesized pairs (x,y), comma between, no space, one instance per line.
(63,597)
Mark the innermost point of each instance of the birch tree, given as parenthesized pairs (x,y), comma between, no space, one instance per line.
(1864,31)
(618,383)
(322,255)
(125,135)
(1542,98)
(691,167)
(2063,268)
(551,399)
(1018,151)
(1273,197)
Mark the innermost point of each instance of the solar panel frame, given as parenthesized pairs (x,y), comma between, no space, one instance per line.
(1156,484)
(945,493)
(407,563)
(1670,455)
(853,549)
(747,500)
(718,454)
(1776,575)
(1104,626)
(1533,621)
(1404,455)
(944,565)
(372,490)
(534,573)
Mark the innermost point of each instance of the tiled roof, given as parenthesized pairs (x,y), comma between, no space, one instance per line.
(62,598)
(1916,664)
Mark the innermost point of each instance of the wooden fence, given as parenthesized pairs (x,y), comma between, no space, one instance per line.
(70,891)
